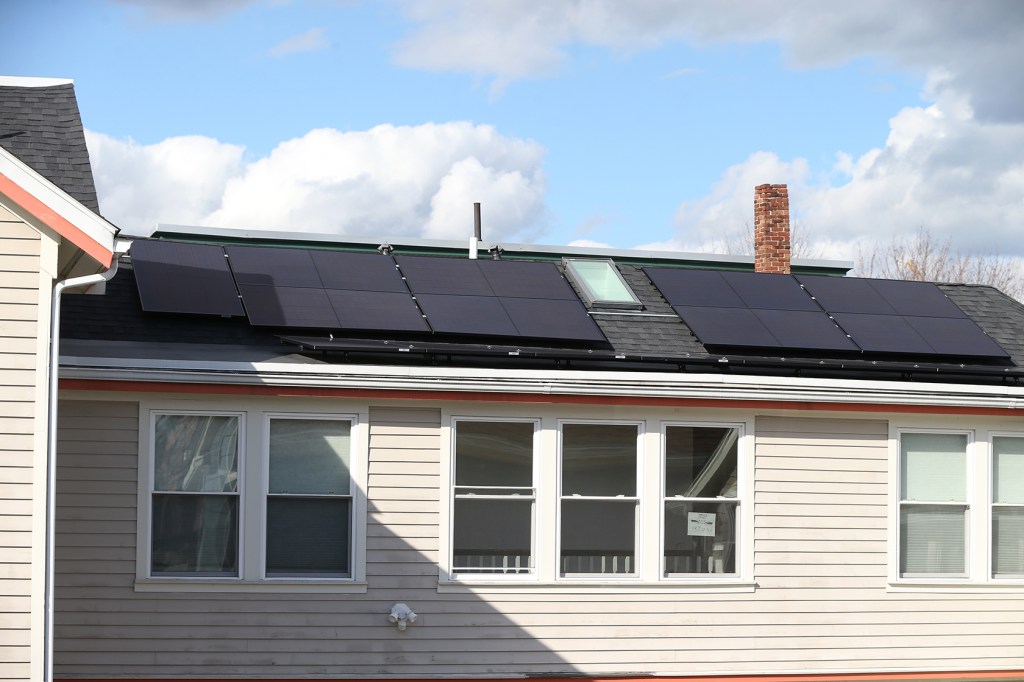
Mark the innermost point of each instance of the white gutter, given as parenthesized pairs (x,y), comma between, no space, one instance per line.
(120,246)
(542,383)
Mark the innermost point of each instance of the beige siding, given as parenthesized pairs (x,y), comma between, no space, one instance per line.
(20,330)
(820,556)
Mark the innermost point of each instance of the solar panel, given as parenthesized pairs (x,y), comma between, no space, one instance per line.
(380,310)
(922,299)
(526,279)
(273,266)
(803,330)
(694,287)
(883,333)
(358,271)
(846,295)
(552,319)
(175,277)
(482,315)
(455,276)
(948,336)
(727,326)
(288,307)
(769,292)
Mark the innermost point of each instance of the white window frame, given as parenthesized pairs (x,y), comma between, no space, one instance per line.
(638,515)
(743,524)
(253,472)
(449,485)
(990,456)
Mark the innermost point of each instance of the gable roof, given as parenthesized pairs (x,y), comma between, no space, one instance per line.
(654,339)
(41,125)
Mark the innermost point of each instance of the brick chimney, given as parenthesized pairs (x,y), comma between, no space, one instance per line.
(771,229)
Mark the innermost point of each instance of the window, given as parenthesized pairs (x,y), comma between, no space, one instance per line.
(1008,507)
(933,505)
(309,503)
(701,500)
(195,495)
(600,283)
(494,494)
(573,501)
(599,499)
(248,496)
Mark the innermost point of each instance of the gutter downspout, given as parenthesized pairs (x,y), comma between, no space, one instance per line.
(121,246)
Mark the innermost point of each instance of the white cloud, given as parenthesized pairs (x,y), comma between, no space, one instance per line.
(940,169)
(186,10)
(387,181)
(313,40)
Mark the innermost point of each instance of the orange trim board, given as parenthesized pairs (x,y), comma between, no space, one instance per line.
(963,676)
(543,398)
(55,221)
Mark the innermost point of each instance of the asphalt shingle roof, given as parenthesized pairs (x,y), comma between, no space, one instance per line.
(42,127)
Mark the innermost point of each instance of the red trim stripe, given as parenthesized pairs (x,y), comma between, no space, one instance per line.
(510,397)
(55,221)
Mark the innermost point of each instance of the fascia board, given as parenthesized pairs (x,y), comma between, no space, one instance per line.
(25,191)
(712,387)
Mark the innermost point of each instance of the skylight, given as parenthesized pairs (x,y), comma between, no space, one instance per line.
(600,283)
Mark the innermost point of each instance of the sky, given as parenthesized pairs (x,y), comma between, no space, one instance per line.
(645,123)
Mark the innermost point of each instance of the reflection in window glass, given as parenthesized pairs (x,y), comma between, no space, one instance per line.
(195,496)
(701,500)
(599,498)
(494,497)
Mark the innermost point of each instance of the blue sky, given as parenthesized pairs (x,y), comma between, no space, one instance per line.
(643,123)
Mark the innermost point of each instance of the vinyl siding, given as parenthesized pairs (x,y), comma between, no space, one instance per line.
(20,327)
(820,564)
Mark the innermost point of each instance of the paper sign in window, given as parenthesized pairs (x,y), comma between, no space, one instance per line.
(700,523)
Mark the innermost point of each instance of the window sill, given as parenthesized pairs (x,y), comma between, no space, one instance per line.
(593,587)
(954,585)
(269,586)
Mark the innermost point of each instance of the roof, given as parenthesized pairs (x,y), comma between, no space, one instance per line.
(41,125)
(655,338)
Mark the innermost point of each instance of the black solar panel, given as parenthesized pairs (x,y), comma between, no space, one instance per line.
(958,337)
(883,333)
(482,315)
(288,307)
(454,276)
(273,266)
(921,299)
(694,288)
(526,279)
(846,295)
(357,271)
(175,277)
(727,326)
(551,319)
(380,310)
(769,292)
(803,330)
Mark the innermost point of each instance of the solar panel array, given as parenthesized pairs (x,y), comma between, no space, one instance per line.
(334,290)
(818,313)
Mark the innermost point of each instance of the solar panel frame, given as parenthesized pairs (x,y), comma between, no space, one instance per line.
(347,271)
(883,333)
(551,319)
(442,275)
(477,315)
(269,266)
(269,306)
(526,279)
(956,337)
(376,310)
(916,299)
(846,295)
(181,277)
(694,288)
